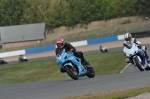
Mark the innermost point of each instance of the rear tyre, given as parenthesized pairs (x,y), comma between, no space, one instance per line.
(138,64)
(148,67)
(106,50)
(90,72)
(102,51)
(72,72)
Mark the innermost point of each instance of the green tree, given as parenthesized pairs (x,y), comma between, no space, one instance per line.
(56,13)
(72,14)
(38,11)
(143,7)
(58,17)
(11,12)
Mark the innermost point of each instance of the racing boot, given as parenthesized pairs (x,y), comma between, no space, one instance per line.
(148,60)
(83,61)
(128,60)
(86,62)
(87,65)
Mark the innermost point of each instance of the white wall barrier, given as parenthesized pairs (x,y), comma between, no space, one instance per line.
(79,43)
(120,37)
(12,53)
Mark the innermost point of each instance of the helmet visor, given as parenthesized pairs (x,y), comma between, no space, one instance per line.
(59,45)
(127,39)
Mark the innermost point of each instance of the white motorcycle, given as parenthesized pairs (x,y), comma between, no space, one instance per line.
(103,49)
(137,57)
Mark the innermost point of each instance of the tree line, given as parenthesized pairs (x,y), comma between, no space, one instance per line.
(57,13)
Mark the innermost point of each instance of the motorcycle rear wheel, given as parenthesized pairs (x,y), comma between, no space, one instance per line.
(90,73)
(106,50)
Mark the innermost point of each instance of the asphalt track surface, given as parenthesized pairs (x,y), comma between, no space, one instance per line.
(130,77)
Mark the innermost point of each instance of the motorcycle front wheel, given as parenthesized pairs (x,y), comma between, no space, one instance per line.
(138,63)
(72,72)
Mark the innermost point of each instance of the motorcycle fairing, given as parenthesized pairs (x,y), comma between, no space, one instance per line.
(70,60)
(133,50)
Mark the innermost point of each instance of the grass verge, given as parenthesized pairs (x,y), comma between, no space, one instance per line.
(106,63)
(121,94)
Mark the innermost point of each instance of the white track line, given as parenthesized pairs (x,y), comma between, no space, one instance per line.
(125,67)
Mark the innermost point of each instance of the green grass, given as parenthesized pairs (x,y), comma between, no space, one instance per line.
(29,72)
(120,94)
(106,63)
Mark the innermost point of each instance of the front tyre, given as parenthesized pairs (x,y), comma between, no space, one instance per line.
(72,72)
(138,64)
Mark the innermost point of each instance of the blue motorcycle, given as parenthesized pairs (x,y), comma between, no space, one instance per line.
(73,66)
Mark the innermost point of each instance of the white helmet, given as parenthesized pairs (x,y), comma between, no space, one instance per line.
(128,37)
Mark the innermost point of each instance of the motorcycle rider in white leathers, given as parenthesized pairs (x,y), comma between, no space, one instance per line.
(128,41)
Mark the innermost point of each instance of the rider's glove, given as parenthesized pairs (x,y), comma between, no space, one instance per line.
(57,55)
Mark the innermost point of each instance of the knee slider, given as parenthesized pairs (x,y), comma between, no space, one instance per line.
(143,48)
